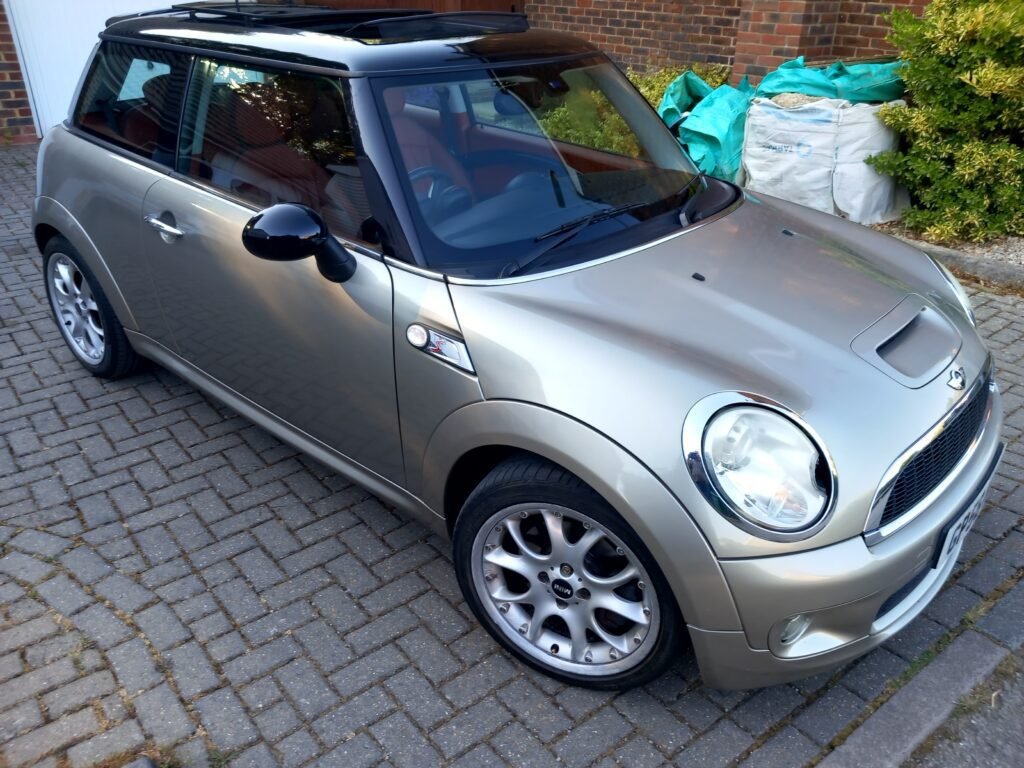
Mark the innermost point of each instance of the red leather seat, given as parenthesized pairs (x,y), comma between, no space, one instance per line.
(419,146)
(268,170)
(141,127)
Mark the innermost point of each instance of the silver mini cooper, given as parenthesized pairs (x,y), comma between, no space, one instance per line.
(465,265)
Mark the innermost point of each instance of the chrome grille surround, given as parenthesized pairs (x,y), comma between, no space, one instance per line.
(880,524)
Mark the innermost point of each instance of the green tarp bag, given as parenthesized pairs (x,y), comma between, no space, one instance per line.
(857,83)
(713,132)
(680,97)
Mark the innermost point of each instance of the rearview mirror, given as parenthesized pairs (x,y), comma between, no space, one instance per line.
(290,232)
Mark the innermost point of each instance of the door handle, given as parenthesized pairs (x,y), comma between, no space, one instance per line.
(168,232)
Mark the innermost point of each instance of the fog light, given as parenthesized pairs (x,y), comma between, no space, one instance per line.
(794,629)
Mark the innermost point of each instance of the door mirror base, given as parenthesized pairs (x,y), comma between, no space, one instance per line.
(290,232)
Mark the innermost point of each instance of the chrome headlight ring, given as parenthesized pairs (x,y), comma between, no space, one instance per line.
(700,466)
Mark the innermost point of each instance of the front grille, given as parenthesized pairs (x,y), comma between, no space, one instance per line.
(926,470)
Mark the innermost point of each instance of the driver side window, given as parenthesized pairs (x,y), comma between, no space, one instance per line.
(267,136)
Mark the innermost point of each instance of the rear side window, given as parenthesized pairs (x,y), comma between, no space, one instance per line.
(132,98)
(267,136)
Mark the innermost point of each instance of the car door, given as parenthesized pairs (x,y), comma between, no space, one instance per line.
(317,354)
(123,136)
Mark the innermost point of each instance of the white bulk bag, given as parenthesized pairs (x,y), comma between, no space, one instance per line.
(790,153)
(813,154)
(861,193)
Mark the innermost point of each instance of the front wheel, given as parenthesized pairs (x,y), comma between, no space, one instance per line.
(561,581)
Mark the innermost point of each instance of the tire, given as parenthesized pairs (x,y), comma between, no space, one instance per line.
(591,633)
(83,314)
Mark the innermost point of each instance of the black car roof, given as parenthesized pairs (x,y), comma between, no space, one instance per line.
(364,41)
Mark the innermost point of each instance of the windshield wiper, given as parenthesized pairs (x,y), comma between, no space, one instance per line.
(685,210)
(568,231)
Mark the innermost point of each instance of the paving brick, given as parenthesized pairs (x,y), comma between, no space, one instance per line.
(1003,621)
(24,568)
(323,644)
(360,711)
(296,749)
(766,707)
(277,721)
(258,569)
(225,720)
(720,746)
(478,681)
(368,670)
(418,698)
(78,693)
(338,609)
(118,740)
(29,748)
(260,693)
(649,716)
(403,744)
(786,748)
(261,660)
(101,626)
(26,633)
(134,666)
(39,543)
(444,621)
(432,657)
(306,687)
(124,593)
(359,752)
(162,627)
(520,748)
(826,717)
(162,716)
(470,727)
(37,681)
(278,622)
(18,719)
(240,601)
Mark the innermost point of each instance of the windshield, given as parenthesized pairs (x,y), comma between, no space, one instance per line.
(519,168)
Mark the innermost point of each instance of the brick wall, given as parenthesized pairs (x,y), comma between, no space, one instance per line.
(642,33)
(15,113)
(861,27)
(754,36)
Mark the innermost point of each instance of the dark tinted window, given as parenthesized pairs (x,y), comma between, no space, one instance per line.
(268,136)
(132,98)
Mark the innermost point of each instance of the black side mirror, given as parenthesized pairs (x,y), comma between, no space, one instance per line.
(289,232)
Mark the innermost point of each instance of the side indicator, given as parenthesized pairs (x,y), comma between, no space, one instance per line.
(440,345)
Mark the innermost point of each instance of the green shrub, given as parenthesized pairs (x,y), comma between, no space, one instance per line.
(963,130)
(587,118)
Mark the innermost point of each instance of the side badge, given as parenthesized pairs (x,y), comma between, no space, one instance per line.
(957,378)
(440,345)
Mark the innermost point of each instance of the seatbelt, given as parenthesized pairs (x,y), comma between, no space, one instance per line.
(447,125)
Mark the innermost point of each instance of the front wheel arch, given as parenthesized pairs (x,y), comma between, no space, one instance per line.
(618,477)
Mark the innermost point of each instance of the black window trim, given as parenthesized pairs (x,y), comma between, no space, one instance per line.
(149,162)
(174,173)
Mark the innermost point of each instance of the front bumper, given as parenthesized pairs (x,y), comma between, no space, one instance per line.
(855,596)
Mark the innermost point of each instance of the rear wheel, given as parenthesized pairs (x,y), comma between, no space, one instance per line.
(561,581)
(85,318)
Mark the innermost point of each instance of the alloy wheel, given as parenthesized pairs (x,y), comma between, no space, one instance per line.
(75,309)
(565,590)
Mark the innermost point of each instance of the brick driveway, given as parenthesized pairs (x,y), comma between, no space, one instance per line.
(175,581)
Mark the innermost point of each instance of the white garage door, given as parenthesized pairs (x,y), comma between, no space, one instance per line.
(54,40)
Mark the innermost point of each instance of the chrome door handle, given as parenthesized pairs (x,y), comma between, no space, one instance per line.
(163,227)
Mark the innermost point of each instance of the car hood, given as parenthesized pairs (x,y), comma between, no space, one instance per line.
(767,299)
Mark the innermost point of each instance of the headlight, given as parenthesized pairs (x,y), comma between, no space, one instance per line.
(766,468)
(961,294)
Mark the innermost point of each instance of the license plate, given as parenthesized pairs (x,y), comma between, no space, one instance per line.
(953,532)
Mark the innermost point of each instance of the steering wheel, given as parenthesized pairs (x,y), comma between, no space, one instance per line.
(443,197)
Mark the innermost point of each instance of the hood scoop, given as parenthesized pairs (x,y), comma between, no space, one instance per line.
(912,343)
